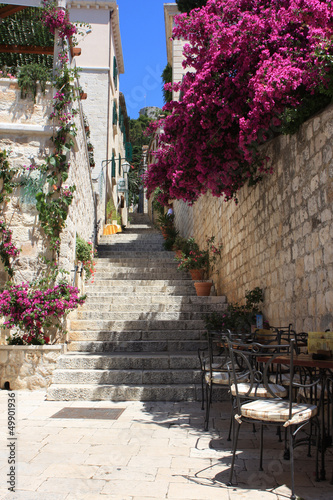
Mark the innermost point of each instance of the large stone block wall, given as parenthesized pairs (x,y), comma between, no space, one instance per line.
(28,367)
(279,235)
(25,130)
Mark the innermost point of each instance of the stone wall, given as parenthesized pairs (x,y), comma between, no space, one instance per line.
(279,236)
(28,367)
(25,130)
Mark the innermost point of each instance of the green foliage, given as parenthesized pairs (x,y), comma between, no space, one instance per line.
(292,118)
(53,213)
(7,174)
(83,249)
(171,235)
(165,220)
(138,139)
(157,206)
(188,5)
(85,253)
(111,213)
(167,78)
(30,75)
(25,28)
(237,318)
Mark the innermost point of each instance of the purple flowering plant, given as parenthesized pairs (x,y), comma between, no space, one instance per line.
(250,64)
(33,310)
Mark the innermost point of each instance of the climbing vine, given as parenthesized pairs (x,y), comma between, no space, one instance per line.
(33,307)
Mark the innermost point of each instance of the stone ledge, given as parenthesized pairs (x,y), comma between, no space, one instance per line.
(46,347)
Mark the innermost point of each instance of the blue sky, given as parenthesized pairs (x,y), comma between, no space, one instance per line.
(144,49)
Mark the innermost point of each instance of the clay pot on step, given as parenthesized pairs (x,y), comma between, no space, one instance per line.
(203,288)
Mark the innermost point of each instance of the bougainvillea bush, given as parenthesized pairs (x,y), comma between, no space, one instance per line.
(33,310)
(250,62)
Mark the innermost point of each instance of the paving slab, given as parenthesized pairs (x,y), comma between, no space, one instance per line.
(153,451)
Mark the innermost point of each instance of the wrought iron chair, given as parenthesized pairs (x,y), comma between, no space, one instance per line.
(272,408)
(213,360)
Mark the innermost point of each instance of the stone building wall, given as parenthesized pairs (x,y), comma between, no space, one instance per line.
(25,131)
(279,236)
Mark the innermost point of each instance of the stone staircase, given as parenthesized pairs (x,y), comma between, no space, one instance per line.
(136,337)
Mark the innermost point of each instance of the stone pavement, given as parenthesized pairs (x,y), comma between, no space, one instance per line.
(154,450)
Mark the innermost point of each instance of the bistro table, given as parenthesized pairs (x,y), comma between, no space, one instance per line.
(324,368)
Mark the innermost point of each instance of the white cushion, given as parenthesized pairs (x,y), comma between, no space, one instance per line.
(221,378)
(271,410)
(259,390)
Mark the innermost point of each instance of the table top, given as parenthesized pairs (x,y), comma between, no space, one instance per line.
(301,360)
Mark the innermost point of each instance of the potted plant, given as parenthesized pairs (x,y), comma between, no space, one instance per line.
(200,263)
(165,221)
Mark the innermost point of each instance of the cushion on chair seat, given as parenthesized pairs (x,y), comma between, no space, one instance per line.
(271,410)
(221,378)
(259,390)
(284,378)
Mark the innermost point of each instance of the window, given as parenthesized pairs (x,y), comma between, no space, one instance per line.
(115,72)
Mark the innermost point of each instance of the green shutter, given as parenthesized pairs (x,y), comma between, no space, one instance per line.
(115,71)
(129,151)
(115,116)
(113,173)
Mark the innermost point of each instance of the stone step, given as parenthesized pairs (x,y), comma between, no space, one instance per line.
(145,237)
(194,300)
(138,335)
(128,260)
(107,252)
(141,275)
(129,361)
(129,250)
(140,290)
(144,325)
(91,392)
(136,315)
(137,346)
(144,282)
(120,377)
(103,304)
(137,265)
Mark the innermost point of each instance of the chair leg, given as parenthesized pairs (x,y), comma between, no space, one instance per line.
(230,425)
(202,393)
(261,446)
(286,454)
(208,403)
(291,450)
(236,427)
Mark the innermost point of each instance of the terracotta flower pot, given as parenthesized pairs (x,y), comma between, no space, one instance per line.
(76,51)
(83,95)
(203,288)
(178,253)
(196,274)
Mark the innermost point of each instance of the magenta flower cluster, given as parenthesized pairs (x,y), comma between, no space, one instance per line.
(247,62)
(58,19)
(32,310)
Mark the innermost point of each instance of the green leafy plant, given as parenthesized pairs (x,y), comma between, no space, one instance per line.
(7,173)
(237,318)
(30,75)
(85,253)
(111,213)
(200,259)
(171,234)
(167,78)
(165,220)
